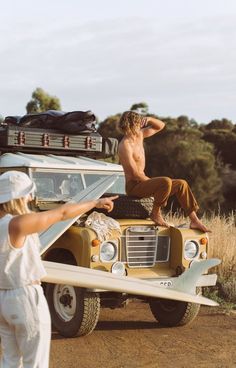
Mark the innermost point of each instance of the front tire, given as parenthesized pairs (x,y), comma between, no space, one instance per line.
(74,311)
(173,313)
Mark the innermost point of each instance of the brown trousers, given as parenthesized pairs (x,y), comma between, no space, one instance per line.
(161,188)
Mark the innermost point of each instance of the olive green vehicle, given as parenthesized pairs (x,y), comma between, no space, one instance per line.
(139,249)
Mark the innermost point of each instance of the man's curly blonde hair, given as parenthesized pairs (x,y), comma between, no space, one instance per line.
(130,122)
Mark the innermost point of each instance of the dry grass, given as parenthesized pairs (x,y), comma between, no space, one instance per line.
(222,245)
(222,240)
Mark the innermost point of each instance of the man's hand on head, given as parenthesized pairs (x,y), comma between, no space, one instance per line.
(144,122)
(154,125)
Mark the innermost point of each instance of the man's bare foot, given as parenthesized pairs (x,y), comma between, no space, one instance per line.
(196,224)
(158,219)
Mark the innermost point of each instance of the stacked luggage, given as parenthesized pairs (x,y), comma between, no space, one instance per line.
(56,131)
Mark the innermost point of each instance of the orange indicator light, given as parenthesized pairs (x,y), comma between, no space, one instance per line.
(203,241)
(95,242)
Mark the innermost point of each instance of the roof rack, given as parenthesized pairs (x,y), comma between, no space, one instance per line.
(41,141)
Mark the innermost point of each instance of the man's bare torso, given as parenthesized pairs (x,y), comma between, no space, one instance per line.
(132,157)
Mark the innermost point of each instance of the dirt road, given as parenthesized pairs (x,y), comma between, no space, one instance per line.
(130,338)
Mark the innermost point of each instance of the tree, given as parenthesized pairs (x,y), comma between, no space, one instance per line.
(42,101)
(229,180)
(1,119)
(110,127)
(220,124)
(141,108)
(224,142)
(182,153)
(183,122)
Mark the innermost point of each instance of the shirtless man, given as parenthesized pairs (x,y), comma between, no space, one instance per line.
(132,157)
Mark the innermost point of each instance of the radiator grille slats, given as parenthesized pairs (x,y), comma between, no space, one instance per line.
(163,249)
(144,248)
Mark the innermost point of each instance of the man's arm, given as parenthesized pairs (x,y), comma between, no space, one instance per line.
(151,126)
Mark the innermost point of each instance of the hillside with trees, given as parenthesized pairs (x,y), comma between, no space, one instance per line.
(203,154)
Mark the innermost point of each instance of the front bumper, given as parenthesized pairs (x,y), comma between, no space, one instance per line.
(203,281)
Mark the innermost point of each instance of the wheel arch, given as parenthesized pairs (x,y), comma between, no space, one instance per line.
(61,255)
(88,308)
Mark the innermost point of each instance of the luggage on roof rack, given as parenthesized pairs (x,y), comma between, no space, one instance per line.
(75,122)
(56,132)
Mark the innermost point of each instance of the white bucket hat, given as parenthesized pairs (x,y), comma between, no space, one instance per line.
(15,184)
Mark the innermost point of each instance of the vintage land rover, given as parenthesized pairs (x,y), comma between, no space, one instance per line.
(135,247)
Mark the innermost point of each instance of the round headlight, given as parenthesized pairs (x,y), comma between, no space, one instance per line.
(108,251)
(118,268)
(191,249)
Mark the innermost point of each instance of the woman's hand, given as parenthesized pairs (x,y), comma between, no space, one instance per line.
(106,203)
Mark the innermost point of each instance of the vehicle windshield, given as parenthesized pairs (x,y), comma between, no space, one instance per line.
(118,187)
(57,185)
(62,186)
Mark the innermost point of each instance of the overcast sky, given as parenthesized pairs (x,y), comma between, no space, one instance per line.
(178,56)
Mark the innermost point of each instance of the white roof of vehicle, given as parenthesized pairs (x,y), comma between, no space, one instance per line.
(20,159)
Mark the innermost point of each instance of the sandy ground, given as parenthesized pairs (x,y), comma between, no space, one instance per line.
(130,337)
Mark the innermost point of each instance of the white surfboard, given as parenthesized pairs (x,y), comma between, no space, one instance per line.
(183,289)
(94,191)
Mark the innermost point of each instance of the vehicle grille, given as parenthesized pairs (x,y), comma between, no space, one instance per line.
(163,248)
(143,248)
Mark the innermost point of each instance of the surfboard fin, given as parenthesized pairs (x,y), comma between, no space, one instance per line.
(187,282)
